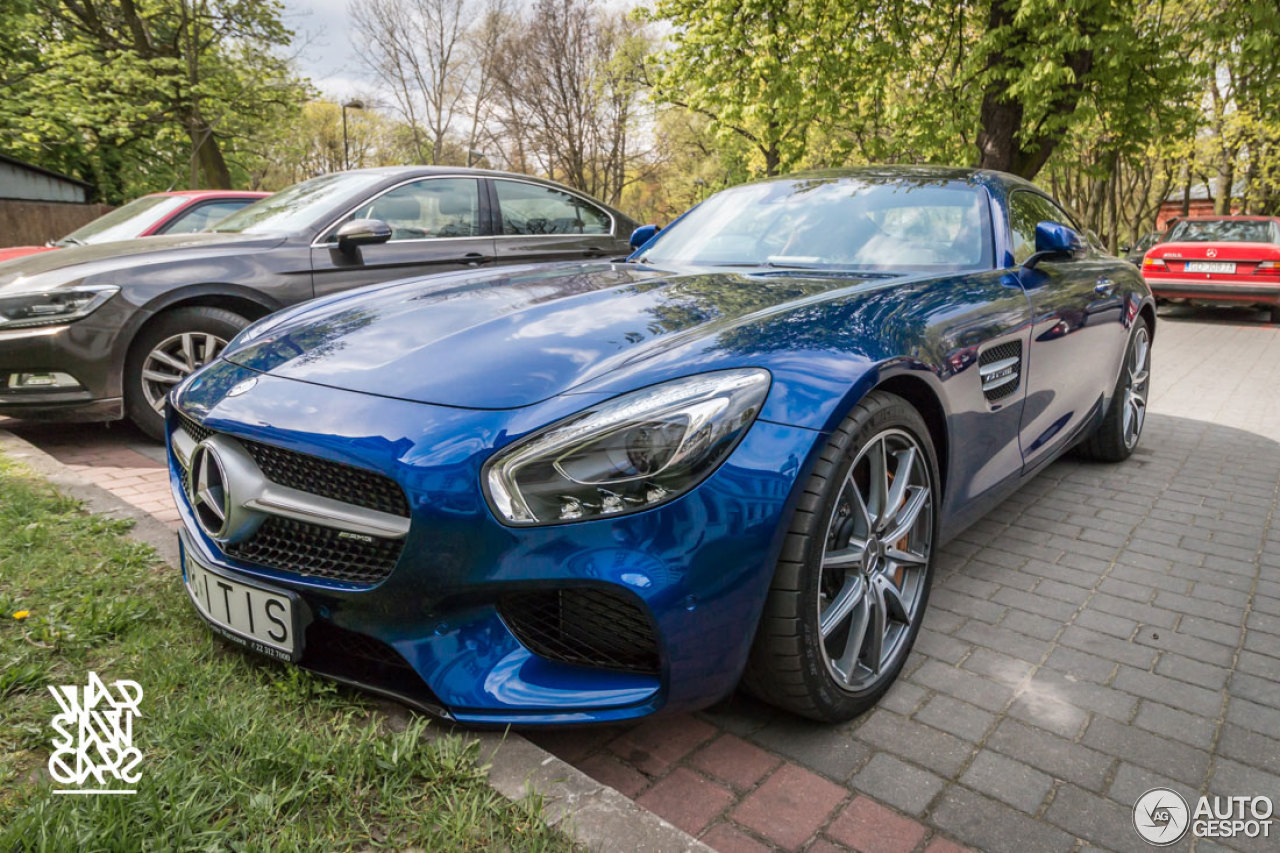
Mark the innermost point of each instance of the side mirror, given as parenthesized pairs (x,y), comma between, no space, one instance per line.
(1054,240)
(643,235)
(362,232)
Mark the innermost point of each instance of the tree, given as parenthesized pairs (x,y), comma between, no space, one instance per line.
(418,47)
(570,95)
(117,86)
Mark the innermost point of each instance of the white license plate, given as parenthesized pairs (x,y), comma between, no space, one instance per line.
(254,617)
(1210,266)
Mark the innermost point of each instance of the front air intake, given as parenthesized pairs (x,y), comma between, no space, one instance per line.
(585,626)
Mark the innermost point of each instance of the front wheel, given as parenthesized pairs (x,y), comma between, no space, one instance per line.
(174,346)
(850,589)
(1117,437)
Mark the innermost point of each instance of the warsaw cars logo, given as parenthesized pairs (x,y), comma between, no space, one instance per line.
(95,736)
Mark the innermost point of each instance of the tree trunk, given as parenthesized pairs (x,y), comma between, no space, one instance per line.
(1227,177)
(207,155)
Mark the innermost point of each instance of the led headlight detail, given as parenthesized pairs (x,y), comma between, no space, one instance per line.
(627,454)
(50,307)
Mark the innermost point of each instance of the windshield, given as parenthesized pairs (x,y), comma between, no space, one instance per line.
(125,222)
(835,223)
(298,207)
(1223,231)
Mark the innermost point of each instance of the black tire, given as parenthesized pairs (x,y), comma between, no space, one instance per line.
(790,663)
(1113,441)
(1275,314)
(201,321)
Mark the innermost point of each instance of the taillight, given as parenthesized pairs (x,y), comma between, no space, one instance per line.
(1150,263)
(1268,266)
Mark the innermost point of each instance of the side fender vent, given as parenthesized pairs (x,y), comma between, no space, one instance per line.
(1000,369)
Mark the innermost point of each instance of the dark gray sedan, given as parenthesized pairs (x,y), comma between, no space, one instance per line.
(104,332)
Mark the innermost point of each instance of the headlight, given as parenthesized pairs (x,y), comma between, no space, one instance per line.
(52,306)
(627,454)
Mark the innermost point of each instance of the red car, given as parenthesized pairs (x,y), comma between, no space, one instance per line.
(1232,260)
(179,212)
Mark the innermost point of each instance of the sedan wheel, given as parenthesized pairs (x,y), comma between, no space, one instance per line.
(174,345)
(174,359)
(850,589)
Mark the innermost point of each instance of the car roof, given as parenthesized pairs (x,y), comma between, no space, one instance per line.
(1228,218)
(203,194)
(949,174)
(401,172)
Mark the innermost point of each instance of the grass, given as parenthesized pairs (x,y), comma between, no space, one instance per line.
(238,753)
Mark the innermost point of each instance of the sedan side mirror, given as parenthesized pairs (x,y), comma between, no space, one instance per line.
(643,235)
(362,232)
(1054,240)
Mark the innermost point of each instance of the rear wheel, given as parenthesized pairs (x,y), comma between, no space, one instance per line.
(173,347)
(1117,437)
(1275,313)
(851,586)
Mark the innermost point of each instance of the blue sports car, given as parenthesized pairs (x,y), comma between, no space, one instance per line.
(589,492)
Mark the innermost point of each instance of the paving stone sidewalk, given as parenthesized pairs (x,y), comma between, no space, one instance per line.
(1106,630)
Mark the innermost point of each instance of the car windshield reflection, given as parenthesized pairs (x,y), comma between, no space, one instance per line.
(853,225)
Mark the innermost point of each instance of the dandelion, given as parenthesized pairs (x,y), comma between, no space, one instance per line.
(21,614)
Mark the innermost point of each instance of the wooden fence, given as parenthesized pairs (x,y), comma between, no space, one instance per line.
(34,223)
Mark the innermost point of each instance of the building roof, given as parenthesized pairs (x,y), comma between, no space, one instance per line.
(40,170)
(1204,192)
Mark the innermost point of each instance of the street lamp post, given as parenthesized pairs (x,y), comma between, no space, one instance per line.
(355,104)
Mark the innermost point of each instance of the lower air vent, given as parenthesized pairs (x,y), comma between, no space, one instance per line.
(584,626)
(1000,369)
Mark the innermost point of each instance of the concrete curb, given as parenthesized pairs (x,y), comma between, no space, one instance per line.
(593,815)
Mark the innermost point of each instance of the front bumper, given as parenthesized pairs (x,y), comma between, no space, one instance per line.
(698,568)
(1211,291)
(85,349)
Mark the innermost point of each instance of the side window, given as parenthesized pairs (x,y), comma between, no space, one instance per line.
(201,216)
(1026,211)
(534,209)
(427,209)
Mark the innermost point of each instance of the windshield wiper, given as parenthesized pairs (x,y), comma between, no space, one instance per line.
(829,268)
(70,241)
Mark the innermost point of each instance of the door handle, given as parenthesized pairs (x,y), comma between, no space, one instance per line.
(475,259)
(1104,287)
(593,252)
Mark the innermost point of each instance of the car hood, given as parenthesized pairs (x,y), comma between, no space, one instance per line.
(514,337)
(75,263)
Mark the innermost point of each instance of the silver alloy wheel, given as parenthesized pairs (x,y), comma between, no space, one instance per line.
(874,559)
(174,359)
(1138,366)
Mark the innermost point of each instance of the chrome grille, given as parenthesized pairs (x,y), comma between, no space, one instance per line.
(310,550)
(313,550)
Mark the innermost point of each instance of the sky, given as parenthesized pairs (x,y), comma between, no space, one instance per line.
(323,44)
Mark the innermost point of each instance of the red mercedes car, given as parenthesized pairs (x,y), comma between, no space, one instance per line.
(1231,260)
(180,212)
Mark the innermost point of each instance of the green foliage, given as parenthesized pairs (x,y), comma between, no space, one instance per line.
(238,753)
(143,95)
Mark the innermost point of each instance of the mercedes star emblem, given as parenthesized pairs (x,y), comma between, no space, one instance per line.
(207,490)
